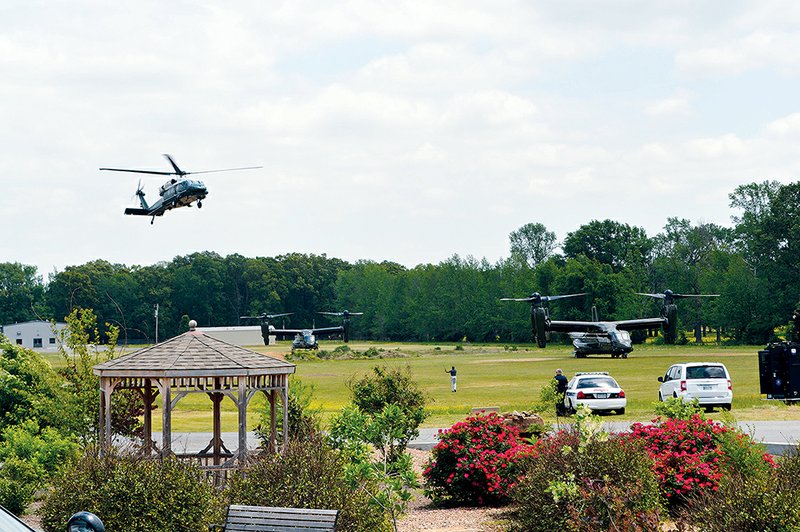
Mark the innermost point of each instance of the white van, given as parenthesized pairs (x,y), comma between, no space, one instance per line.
(708,382)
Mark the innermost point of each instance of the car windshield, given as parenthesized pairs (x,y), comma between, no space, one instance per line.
(8,523)
(705,372)
(597,382)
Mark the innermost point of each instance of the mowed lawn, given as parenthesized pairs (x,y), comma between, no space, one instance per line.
(496,375)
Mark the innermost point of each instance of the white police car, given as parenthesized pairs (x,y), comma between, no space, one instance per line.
(598,391)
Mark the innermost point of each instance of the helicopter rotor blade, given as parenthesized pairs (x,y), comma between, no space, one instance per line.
(527,299)
(223,170)
(676,296)
(178,171)
(137,171)
(655,296)
(553,298)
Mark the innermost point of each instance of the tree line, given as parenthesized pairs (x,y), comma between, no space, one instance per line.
(752,265)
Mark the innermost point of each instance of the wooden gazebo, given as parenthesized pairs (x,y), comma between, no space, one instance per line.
(196,363)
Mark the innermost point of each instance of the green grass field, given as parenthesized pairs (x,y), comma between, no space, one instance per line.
(491,375)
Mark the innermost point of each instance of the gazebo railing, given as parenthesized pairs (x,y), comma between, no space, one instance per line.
(218,475)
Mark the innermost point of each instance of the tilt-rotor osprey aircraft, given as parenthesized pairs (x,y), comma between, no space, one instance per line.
(264,320)
(306,338)
(669,310)
(588,337)
(177,192)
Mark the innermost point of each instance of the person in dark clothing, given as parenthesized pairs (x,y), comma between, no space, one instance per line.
(452,373)
(561,389)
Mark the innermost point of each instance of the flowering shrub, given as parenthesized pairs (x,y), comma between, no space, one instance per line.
(582,480)
(475,462)
(686,454)
(764,498)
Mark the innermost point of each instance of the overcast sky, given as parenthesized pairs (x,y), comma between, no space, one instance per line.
(403,131)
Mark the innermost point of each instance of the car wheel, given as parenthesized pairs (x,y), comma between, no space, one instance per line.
(624,355)
(571,410)
(727,407)
(620,411)
(709,409)
(660,397)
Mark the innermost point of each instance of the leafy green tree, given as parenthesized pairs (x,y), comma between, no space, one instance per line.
(768,230)
(609,242)
(77,343)
(685,256)
(21,293)
(532,244)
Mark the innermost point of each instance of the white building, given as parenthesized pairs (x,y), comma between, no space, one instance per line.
(32,334)
(244,335)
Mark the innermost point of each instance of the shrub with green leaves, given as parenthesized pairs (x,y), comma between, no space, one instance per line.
(31,389)
(586,479)
(309,474)
(131,493)
(29,458)
(372,392)
(677,408)
(365,442)
(764,500)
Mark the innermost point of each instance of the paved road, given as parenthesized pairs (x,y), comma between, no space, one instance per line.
(777,435)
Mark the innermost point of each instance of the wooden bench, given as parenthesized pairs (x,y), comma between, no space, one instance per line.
(271,519)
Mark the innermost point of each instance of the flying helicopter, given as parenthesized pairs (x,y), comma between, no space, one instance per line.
(588,337)
(178,191)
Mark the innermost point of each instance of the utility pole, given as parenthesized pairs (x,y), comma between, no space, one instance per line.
(156,315)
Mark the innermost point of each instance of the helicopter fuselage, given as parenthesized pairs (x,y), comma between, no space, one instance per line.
(305,340)
(178,193)
(612,341)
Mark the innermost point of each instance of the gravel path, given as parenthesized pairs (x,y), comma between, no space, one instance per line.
(423,516)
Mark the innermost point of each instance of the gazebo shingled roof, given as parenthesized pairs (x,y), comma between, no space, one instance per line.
(193,354)
(196,363)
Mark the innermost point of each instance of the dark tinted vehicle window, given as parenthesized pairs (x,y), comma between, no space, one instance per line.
(599,382)
(705,372)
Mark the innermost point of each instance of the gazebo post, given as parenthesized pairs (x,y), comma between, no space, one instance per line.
(216,441)
(101,425)
(285,399)
(147,397)
(273,420)
(166,417)
(242,400)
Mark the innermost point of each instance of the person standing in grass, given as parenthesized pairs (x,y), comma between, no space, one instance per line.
(561,389)
(452,372)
